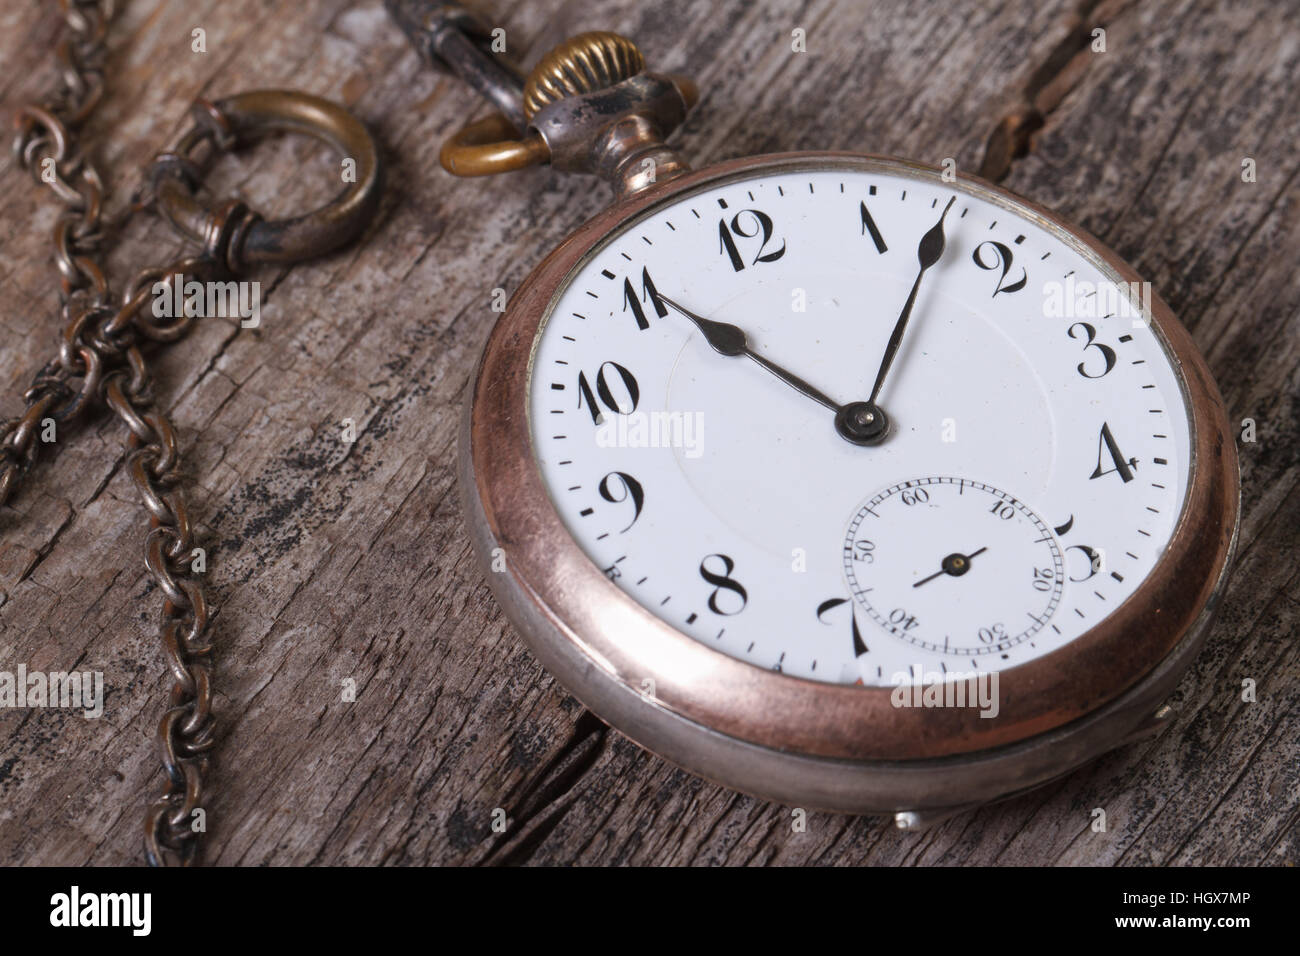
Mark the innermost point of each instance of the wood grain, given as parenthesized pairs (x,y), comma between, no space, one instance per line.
(330,560)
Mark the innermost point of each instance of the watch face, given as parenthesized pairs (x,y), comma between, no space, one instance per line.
(701,402)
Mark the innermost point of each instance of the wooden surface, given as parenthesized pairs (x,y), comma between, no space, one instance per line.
(330,561)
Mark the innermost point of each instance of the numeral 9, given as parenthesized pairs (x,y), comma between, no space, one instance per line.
(628,487)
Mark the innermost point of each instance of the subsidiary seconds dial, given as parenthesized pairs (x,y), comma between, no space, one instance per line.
(953,566)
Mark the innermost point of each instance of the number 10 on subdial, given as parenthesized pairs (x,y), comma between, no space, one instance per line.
(954,566)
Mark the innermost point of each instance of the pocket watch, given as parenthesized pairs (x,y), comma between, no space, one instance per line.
(836,479)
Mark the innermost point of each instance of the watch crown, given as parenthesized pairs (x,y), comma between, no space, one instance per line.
(581,64)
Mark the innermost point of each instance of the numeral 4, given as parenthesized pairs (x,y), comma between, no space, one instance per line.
(1106,446)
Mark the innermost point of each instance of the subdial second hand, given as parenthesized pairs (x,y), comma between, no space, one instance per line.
(955,564)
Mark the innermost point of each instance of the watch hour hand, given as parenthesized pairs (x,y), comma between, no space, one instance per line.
(730,340)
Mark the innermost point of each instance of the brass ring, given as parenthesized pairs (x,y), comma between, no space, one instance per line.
(489,146)
(240,237)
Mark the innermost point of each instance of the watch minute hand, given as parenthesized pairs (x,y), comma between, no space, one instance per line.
(928,253)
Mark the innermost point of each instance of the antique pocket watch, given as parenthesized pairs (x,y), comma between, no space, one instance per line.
(829,477)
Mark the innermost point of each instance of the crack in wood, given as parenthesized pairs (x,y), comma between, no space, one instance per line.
(551,794)
(1014,134)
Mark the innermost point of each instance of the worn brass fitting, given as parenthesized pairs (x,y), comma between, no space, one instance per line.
(590,107)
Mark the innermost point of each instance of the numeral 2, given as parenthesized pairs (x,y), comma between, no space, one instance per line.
(1001,258)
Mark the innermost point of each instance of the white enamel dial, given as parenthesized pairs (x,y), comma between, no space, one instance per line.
(1037,412)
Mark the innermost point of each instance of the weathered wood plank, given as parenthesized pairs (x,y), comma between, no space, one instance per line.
(331,560)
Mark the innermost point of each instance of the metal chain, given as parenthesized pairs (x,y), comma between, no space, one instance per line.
(100,360)
(46,147)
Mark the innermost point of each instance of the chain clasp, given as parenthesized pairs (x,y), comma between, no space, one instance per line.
(235,236)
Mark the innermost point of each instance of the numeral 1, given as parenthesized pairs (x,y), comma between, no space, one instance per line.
(869,226)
